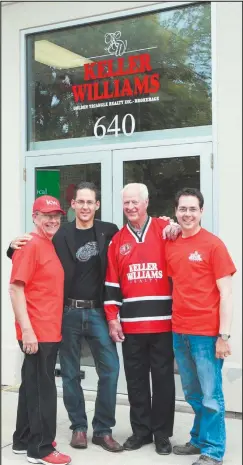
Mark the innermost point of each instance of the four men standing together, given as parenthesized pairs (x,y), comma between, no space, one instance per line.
(138,290)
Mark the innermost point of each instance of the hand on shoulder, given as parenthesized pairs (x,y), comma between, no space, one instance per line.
(20,241)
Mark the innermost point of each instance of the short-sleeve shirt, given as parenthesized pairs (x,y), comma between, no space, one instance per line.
(38,267)
(195,264)
(87,278)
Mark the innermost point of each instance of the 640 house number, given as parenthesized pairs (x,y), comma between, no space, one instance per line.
(100,130)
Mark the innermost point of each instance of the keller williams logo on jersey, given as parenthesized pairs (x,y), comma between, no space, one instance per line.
(138,271)
(112,68)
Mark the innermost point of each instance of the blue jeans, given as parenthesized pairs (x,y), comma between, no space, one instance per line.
(201,379)
(91,324)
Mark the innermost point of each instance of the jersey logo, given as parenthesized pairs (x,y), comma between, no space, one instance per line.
(87,251)
(141,272)
(195,257)
(125,249)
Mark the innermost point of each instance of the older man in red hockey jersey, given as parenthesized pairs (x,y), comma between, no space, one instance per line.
(138,289)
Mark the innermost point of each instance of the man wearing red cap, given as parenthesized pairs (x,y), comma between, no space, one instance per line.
(36,291)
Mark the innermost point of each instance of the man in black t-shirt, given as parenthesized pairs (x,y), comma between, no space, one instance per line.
(82,249)
(87,278)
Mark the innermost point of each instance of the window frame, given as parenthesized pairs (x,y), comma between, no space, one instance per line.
(172,136)
(63,144)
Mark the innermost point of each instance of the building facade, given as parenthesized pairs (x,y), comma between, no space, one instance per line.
(118,92)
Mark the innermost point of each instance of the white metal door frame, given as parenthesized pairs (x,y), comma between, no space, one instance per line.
(102,157)
(111,205)
(204,151)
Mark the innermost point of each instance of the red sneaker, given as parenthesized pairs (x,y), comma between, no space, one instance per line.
(55,458)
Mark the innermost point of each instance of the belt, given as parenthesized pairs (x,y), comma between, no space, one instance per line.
(83,303)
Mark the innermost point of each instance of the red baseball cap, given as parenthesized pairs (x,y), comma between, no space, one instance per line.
(47,204)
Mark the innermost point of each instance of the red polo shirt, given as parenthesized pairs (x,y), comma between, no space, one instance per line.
(195,263)
(38,267)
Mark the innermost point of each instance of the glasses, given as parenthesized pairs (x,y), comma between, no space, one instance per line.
(54,216)
(82,203)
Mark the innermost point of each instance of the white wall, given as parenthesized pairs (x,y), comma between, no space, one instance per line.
(227,138)
(227,27)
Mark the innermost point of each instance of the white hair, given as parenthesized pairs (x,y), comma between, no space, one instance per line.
(142,188)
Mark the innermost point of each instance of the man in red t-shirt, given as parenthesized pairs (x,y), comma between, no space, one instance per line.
(201,270)
(36,291)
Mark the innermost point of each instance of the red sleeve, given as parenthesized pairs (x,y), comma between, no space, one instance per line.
(113,297)
(162,223)
(24,263)
(221,261)
(167,261)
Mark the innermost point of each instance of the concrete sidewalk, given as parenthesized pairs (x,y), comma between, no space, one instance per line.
(95,454)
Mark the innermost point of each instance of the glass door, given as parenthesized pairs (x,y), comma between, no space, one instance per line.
(57,175)
(165,170)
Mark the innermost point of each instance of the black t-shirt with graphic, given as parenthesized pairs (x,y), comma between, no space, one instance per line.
(87,280)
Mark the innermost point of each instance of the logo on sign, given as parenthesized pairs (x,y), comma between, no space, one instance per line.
(116,46)
(125,249)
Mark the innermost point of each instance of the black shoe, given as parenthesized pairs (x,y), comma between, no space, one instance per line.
(108,443)
(163,446)
(136,442)
(186,449)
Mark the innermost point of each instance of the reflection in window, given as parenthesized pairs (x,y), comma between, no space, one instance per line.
(178,44)
(163,177)
(60,182)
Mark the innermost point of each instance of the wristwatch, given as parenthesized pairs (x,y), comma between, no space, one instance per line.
(225,337)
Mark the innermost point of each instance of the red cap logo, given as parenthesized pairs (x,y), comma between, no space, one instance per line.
(47,204)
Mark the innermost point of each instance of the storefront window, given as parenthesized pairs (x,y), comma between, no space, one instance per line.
(120,77)
(163,177)
(60,182)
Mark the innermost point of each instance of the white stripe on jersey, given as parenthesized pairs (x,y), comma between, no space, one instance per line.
(107,283)
(149,297)
(112,302)
(147,318)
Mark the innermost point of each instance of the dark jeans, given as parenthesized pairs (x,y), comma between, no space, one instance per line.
(201,377)
(37,404)
(143,353)
(91,324)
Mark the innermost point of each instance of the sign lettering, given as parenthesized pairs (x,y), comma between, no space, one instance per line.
(102,82)
(117,88)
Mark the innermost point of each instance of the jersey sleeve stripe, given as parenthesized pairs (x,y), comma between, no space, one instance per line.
(112,302)
(147,318)
(107,283)
(113,293)
(156,297)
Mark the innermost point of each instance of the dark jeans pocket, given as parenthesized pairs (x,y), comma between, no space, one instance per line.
(66,310)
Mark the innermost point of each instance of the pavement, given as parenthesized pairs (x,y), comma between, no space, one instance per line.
(94,454)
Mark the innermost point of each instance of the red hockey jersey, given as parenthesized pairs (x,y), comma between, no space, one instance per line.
(137,286)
